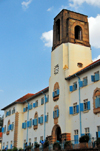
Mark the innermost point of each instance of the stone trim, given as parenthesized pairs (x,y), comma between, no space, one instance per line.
(96,93)
(16,129)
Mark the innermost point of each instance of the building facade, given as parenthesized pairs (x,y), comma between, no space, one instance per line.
(70,106)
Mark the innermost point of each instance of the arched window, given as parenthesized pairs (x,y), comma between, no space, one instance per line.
(78,32)
(56,91)
(96,101)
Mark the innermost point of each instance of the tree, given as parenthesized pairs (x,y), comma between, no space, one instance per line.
(1,122)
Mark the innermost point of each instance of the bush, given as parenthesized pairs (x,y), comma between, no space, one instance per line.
(28,147)
(67,143)
(14,149)
(98,141)
(9,149)
(46,144)
(20,149)
(84,139)
(56,145)
(36,145)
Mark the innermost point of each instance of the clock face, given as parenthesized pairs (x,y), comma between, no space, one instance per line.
(56,69)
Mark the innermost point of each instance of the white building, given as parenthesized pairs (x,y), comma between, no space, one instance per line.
(72,99)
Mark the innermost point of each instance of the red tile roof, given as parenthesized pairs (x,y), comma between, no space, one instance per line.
(25,97)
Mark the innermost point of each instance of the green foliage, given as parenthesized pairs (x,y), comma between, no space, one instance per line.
(36,145)
(56,145)
(98,141)
(67,144)
(28,147)
(14,149)
(84,139)
(46,144)
(20,149)
(9,149)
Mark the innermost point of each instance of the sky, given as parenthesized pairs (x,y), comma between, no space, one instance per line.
(26,42)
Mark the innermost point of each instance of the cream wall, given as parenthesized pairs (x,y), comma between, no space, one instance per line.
(89,119)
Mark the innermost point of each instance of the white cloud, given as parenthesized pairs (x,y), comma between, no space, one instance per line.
(74,3)
(25,4)
(96,58)
(94,30)
(47,38)
(49,9)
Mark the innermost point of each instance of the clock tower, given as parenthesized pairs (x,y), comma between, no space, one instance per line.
(70,52)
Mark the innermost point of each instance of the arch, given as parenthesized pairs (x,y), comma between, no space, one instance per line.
(78,32)
(96,93)
(56,133)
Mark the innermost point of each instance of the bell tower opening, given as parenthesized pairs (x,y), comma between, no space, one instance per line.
(58,30)
(78,32)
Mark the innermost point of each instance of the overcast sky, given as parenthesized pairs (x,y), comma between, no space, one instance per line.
(26,41)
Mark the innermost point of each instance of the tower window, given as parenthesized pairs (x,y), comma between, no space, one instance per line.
(78,33)
(58,30)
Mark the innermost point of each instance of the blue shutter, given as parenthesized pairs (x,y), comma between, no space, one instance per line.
(39,120)
(80,84)
(53,94)
(23,109)
(30,123)
(22,125)
(77,108)
(29,143)
(12,125)
(88,105)
(7,146)
(3,147)
(96,103)
(76,139)
(57,91)
(27,123)
(36,121)
(71,110)
(45,118)
(81,107)
(45,99)
(2,130)
(33,122)
(92,78)
(96,76)
(57,112)
(71,88)
(11,146)
(33,104)
(99,134)
(82,134)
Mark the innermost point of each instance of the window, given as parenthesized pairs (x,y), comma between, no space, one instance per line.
(73,87)
(85,81)
(95,77)
(41,138)
(75,136)
(29,141)
(79,64)
(35,139)
(97,101)
(11,145)
(13,111)
(56,113)
(55,93)
(74,109)
(87,130)
(46,117)
(42,101)
(36,103)
(85,105)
